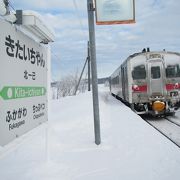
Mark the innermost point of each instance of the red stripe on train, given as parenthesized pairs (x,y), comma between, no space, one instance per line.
(170,87)
(142,88)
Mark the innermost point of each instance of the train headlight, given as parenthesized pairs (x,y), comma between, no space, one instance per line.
(158,106)
(176,86)
(135,87)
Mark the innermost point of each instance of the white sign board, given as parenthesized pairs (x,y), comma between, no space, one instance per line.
(23,83)
(115,11)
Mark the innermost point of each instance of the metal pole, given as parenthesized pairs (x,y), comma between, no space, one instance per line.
(80,76)
(89,69)
(92,43)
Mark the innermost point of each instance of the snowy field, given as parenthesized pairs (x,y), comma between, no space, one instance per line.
(64,148)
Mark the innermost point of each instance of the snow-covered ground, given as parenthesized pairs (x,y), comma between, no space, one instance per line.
(64,148)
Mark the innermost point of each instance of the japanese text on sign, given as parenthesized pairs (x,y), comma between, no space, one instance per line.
(20,51)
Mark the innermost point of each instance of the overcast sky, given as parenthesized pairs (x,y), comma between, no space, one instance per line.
(157,26)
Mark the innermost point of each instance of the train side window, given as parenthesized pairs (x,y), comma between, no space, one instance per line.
(139,72)
(155,72)
(173,71)
(178,71)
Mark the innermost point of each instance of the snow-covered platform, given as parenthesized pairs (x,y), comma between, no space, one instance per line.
(64,148)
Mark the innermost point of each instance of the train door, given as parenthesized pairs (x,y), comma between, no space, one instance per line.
(156,79)
(123,82)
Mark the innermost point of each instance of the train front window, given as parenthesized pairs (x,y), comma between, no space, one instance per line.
(173,71)
(139,72)
(155,72)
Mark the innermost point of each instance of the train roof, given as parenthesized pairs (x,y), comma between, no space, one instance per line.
(146,53)
(151,52)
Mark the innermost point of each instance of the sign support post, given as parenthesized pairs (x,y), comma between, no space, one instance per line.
(92,45)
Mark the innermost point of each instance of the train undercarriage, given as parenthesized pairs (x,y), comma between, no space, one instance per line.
(156,108)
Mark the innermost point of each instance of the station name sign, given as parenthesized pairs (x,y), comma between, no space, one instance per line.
(23,83)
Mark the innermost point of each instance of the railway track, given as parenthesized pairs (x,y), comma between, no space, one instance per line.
(175,120)
(168,127)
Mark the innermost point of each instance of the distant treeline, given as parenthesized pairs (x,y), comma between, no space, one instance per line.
(100,81)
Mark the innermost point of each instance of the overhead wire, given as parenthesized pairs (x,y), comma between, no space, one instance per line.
(81,26)
(77,13)
(79,18)
(57,58)
(8,5)
(11,5)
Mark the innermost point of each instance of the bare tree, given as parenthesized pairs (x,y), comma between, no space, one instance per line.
(67,85)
